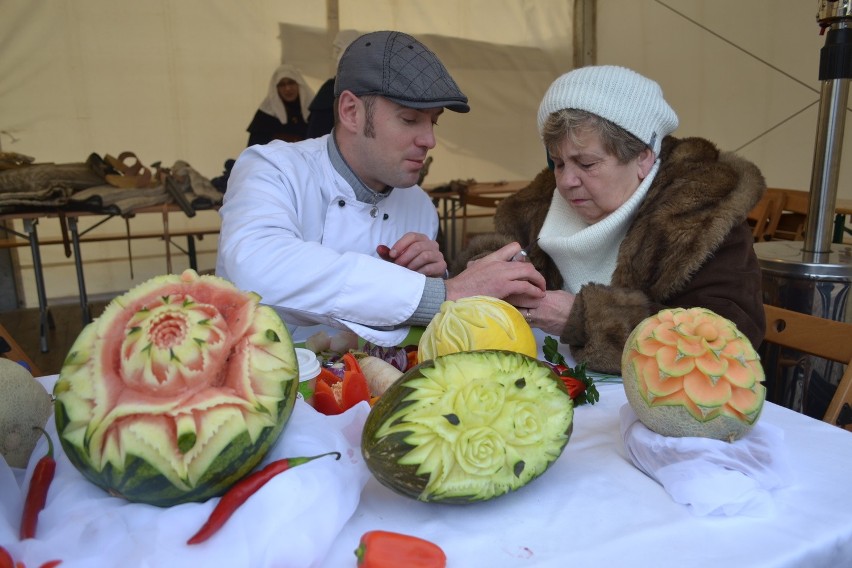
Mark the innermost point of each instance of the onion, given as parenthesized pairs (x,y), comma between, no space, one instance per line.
(396,356)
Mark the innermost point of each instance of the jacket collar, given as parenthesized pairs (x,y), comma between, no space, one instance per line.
(362,193)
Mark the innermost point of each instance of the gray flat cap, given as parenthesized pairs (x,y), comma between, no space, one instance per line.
(398,67)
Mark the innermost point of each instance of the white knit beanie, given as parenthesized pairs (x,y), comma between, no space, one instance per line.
(617,94)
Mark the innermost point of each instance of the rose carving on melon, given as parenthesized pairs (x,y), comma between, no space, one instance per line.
(691,372)
(177,390)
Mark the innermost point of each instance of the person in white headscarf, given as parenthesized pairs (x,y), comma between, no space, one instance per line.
(321,117)
(283,113)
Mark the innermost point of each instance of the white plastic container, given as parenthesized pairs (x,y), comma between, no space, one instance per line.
(309,369)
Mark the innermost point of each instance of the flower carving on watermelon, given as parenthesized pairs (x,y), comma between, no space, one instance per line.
(185,378)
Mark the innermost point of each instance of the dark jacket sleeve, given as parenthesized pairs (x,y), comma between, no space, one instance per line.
(730,283)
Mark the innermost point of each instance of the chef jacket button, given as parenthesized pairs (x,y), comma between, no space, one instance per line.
(341,203)
(385,216)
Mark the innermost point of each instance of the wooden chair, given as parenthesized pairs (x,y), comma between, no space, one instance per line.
(10,349)
(791,223)
(765,216)
(824,338)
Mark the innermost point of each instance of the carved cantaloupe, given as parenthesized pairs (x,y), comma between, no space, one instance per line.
(691,372)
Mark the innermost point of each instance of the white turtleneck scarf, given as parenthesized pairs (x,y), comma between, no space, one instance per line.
(587,253)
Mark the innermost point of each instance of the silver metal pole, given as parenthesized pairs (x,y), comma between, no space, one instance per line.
(826,166)
(835,70)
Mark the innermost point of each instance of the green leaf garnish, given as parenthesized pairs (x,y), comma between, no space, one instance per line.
(552,355)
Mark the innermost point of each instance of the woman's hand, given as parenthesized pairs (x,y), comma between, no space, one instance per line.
(497,276)
(417,252)
(549,314)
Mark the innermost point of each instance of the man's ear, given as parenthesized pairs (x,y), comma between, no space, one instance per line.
(349,107)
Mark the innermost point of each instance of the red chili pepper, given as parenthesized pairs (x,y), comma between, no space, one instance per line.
(51,564)
(242,490)
(384,549)
(333,395)
(37,492)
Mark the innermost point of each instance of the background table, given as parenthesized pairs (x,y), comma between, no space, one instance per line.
(72,237)
(450,202)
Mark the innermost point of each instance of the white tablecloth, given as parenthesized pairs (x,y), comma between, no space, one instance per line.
(592,508)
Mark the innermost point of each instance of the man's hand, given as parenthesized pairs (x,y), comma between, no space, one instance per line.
(416,252)
(497,276)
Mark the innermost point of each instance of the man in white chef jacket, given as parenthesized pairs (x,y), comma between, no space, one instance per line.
(307,225)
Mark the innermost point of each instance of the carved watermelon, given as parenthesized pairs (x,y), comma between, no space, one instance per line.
(691,372)
(177,390)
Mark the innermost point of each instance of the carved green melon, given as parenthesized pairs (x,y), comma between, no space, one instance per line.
(468,426)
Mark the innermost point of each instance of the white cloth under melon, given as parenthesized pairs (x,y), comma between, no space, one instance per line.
(293,520)
(587,253)
(712,477)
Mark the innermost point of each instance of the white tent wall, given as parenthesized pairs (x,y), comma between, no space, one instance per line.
(744,74)
(168,80)
(180,79)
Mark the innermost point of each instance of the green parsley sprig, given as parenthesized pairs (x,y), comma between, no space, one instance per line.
(580,386)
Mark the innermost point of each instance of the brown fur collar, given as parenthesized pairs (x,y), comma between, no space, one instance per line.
(698,196)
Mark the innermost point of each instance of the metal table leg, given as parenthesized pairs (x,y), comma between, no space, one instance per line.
(190,247)
(44,312)
(839,228)
(78,264)
(168,239)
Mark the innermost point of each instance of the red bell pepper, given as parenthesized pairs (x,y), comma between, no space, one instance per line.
(333,395)
(575,386)
(384,549)
(411,357)
(6,561)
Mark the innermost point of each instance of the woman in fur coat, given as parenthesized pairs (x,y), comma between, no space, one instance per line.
(630,220)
